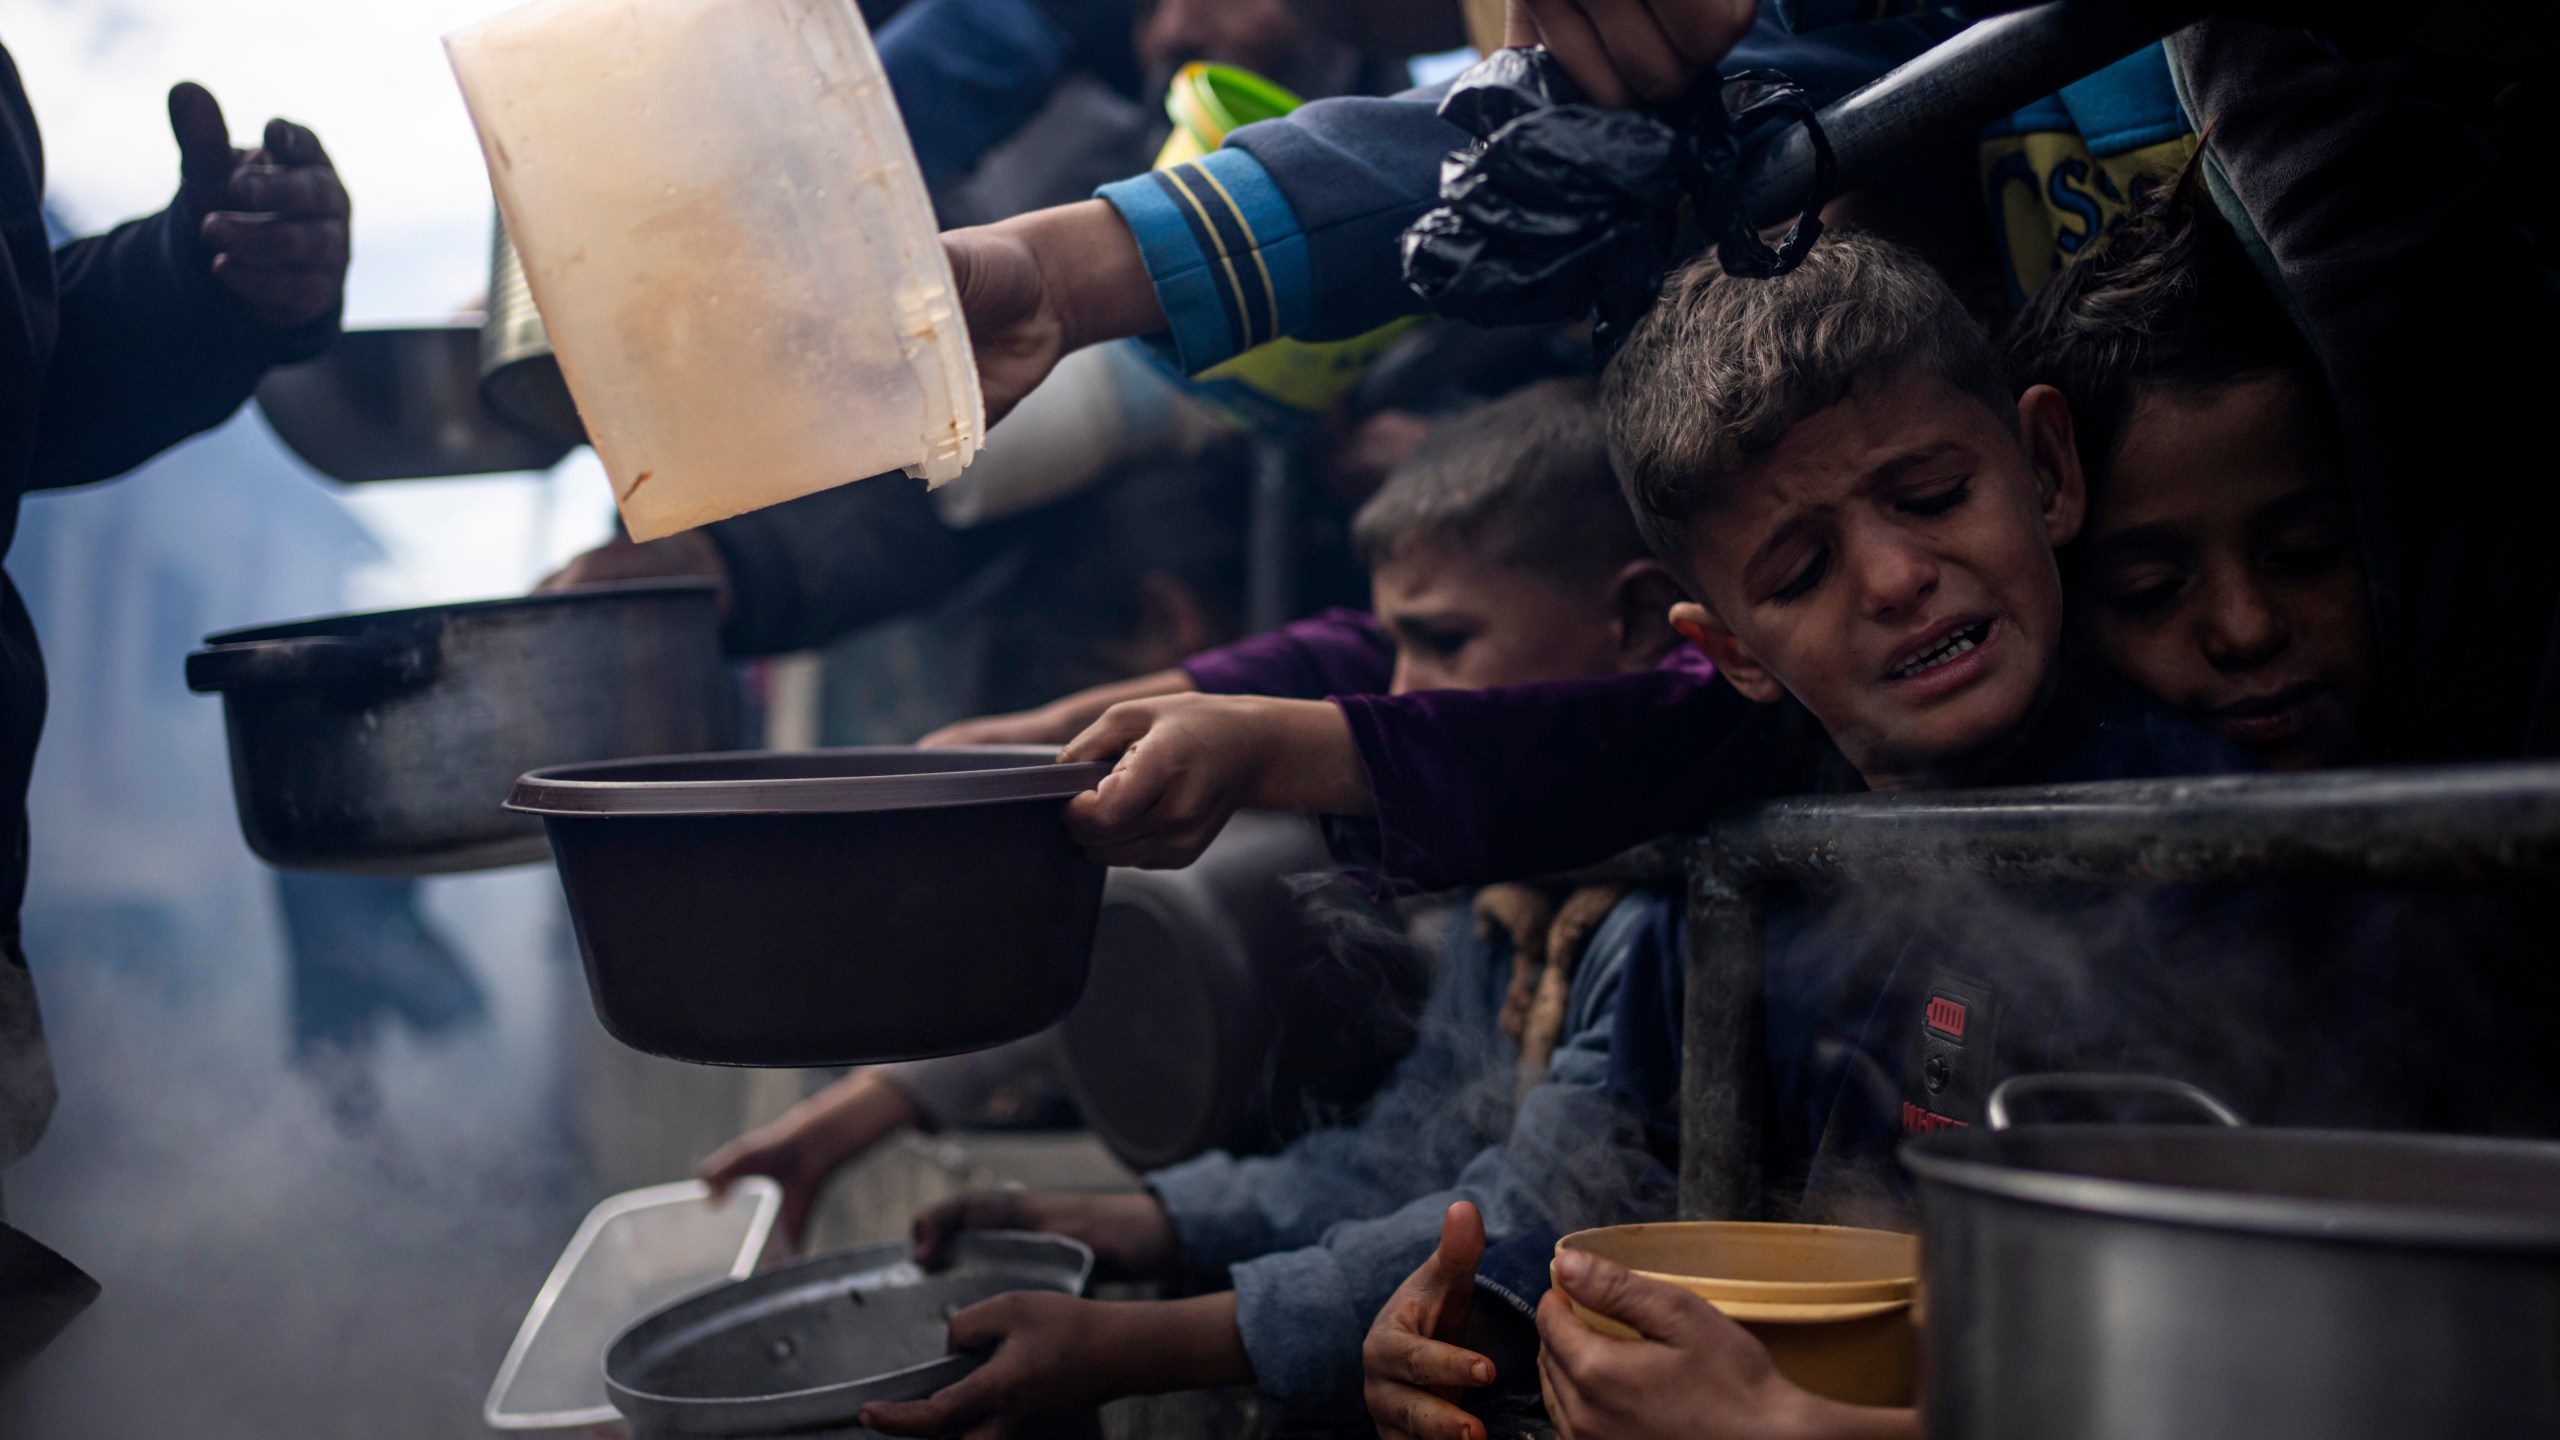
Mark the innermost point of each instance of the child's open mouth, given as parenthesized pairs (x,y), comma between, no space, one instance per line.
(1945,651)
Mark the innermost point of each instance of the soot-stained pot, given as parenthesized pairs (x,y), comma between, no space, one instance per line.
(386,742)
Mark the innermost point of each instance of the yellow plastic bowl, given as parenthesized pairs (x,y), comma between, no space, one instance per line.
(1836,1306)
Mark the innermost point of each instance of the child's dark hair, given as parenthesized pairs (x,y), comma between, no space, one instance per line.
(1522,481)
(1724,366)
(2170,301)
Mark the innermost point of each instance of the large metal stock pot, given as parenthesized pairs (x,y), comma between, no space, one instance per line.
(2107,1282)
(387,742)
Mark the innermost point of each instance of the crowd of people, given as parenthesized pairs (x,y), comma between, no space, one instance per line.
(2172,426)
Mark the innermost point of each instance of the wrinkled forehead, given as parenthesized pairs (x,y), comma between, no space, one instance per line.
(1866,445)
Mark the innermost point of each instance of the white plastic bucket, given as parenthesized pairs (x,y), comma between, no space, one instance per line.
(724,227)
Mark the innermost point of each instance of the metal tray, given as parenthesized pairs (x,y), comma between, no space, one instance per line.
(801,1350)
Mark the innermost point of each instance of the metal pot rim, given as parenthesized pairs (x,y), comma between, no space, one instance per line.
(589,791)
(1939,1159)
(718,1414)
(581,595)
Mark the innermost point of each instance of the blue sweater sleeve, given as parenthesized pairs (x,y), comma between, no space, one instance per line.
(1291,228)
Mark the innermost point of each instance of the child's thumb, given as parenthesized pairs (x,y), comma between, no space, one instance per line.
(1461,1239)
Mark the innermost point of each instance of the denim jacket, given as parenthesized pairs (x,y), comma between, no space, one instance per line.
(1318,1236)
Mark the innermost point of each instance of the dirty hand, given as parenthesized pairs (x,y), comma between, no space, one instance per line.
(1056,1354)
(1622,52)
(1410,1373)
(1188,762)
(690,555)
(275,218)
(1043,283)
(1693,1374)
(1130,1235)
(811,1141)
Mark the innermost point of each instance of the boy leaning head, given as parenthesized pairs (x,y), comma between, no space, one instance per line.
(1832,464)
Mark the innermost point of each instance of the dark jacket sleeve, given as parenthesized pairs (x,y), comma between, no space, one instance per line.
(1476,786)
(809,570)
(2397,242)
(151,351)
(1336,652)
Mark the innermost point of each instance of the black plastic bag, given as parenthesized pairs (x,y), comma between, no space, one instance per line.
(1562,210)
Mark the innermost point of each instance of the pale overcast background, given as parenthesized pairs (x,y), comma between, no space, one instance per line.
(370,77)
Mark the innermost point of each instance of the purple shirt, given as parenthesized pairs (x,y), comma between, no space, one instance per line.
(1480,785)
(1335,652)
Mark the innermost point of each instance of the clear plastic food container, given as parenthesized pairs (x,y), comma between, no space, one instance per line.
(724,228)
(636,1253)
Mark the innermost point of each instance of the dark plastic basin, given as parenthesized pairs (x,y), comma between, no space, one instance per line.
(829,907)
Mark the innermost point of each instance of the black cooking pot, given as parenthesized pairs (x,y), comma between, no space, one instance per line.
(825,907)
(386,742)
(2107,1282)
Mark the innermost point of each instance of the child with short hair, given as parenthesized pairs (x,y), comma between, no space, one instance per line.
(1500,553)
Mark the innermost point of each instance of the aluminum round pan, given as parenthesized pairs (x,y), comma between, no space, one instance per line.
(2372,1187)
(804,1348)
(848,780)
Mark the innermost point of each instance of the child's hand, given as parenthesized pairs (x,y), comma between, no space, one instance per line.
(1056,1354)
(1694,1374)
(811,1141)
(1411,1374)
(275,218)
(1131,1236)
(1633,50)
(1188,762)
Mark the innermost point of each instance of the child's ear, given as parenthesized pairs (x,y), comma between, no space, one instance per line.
(1641,597)
(2053,452)
(1699,626)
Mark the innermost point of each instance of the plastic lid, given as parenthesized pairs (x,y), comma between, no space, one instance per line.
(634,1254)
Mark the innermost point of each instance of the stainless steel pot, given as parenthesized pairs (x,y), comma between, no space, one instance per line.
(2108,1282)
(519,375)
(398,404)
(386,742)
(801,1350)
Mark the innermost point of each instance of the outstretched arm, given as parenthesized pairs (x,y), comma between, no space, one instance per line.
(168,322)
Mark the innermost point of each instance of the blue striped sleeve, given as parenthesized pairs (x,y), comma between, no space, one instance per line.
(1225,251)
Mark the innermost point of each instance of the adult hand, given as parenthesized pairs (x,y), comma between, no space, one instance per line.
(1043,283)
(1692,1374)
(1622,52)
(275,218)
(1186,763)
(1057,1353)
(811,1141)
(688,555)
(1130,1235)
(1411,1374)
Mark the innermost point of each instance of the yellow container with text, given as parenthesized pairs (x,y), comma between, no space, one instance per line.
(1837,1307)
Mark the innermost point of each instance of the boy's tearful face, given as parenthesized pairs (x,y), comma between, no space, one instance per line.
(1891,565)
